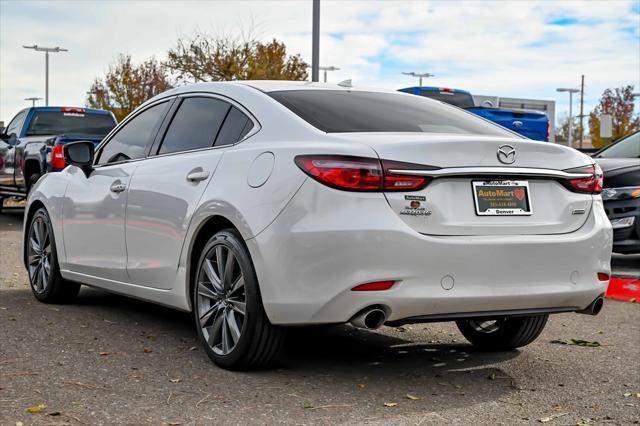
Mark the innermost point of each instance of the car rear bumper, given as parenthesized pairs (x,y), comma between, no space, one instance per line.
(325,242)
(626,239)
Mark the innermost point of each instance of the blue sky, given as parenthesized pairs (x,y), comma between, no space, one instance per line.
(516,49)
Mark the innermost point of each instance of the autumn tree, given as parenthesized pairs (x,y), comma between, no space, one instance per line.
(204,58)
(127,85)
(619,104)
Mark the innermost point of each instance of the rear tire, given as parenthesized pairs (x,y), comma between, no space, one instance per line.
(47,284)
(31,180)
(502,334)
(230,319)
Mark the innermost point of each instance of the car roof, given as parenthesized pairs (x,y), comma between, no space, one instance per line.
(270,86)
(435,89)
(59,109)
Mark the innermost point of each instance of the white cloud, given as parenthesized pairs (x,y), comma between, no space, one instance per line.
(501,48)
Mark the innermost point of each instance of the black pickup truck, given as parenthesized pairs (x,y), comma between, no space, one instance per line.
(31,145)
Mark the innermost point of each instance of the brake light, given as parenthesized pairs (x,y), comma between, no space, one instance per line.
(588,185)
(602,276)
(72,110)
(57,158)
(361,174)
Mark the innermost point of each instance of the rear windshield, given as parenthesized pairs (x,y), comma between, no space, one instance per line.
(61,123)
(461,100)
(339,111)
(626,148)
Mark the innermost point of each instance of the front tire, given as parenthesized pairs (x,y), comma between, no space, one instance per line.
(47,284)
(227,306)
(502,334)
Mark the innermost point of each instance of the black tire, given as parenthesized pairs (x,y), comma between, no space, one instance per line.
(502,334)
(47,287)
(31,180)
(259,342)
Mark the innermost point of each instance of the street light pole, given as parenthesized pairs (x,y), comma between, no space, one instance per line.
(33,100)
(315,42)
(419,75)
(328,68)
(46,51)
(571,92)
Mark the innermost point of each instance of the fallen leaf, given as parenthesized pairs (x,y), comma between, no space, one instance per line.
(390,404)
(105,353)
(627,394)
(19,424)
(36,408)
(147,350)
(54,413)
(361,385)
(175,380)
(577,342)
(412,397)
(193,348)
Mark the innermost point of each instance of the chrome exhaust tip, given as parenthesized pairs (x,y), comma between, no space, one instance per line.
(594,307)
(369,319)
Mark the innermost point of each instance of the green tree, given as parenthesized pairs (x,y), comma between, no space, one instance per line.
(126,85)
(619,104)
(562,129)
(203,58)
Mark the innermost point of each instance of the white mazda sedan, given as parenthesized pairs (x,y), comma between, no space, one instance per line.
(264,204)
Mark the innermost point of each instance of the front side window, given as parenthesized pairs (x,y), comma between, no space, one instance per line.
(16,123)
(195,125)
(343,111)
(134,139)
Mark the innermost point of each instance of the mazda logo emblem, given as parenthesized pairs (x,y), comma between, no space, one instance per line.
(506,154)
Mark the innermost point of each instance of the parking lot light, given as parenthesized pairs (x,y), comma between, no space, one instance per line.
(571,92)
(46,51)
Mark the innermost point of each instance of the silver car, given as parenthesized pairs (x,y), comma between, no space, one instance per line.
(259,205)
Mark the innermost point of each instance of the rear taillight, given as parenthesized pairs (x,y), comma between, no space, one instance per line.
(57,158)
(361,174)
(591,184)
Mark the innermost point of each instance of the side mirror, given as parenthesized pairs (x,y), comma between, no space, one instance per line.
(80,154)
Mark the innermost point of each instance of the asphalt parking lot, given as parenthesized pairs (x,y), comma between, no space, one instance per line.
(107,359)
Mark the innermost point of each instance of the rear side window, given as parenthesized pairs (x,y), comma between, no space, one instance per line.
(343,111)
(195,125)
(235,127)
(134,139)
(63,123)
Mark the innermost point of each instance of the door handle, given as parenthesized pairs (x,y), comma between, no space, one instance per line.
(118,187)
(197,176)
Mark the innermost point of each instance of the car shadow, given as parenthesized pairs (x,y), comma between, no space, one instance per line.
(341,359)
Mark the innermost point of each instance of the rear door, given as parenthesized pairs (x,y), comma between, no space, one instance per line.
(166,188)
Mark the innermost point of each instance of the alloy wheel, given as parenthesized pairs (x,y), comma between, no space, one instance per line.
(39,254)
(486,326)
(221,299)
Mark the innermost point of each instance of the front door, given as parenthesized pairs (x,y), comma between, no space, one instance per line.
(94,207)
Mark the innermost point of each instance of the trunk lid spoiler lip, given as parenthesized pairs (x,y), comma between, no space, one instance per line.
(478,171)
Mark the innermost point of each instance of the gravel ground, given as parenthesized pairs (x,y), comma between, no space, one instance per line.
(111,360)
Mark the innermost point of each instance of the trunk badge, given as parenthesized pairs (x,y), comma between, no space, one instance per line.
(506,154)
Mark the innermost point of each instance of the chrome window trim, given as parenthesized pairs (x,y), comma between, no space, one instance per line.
(467,171)
(256,126)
